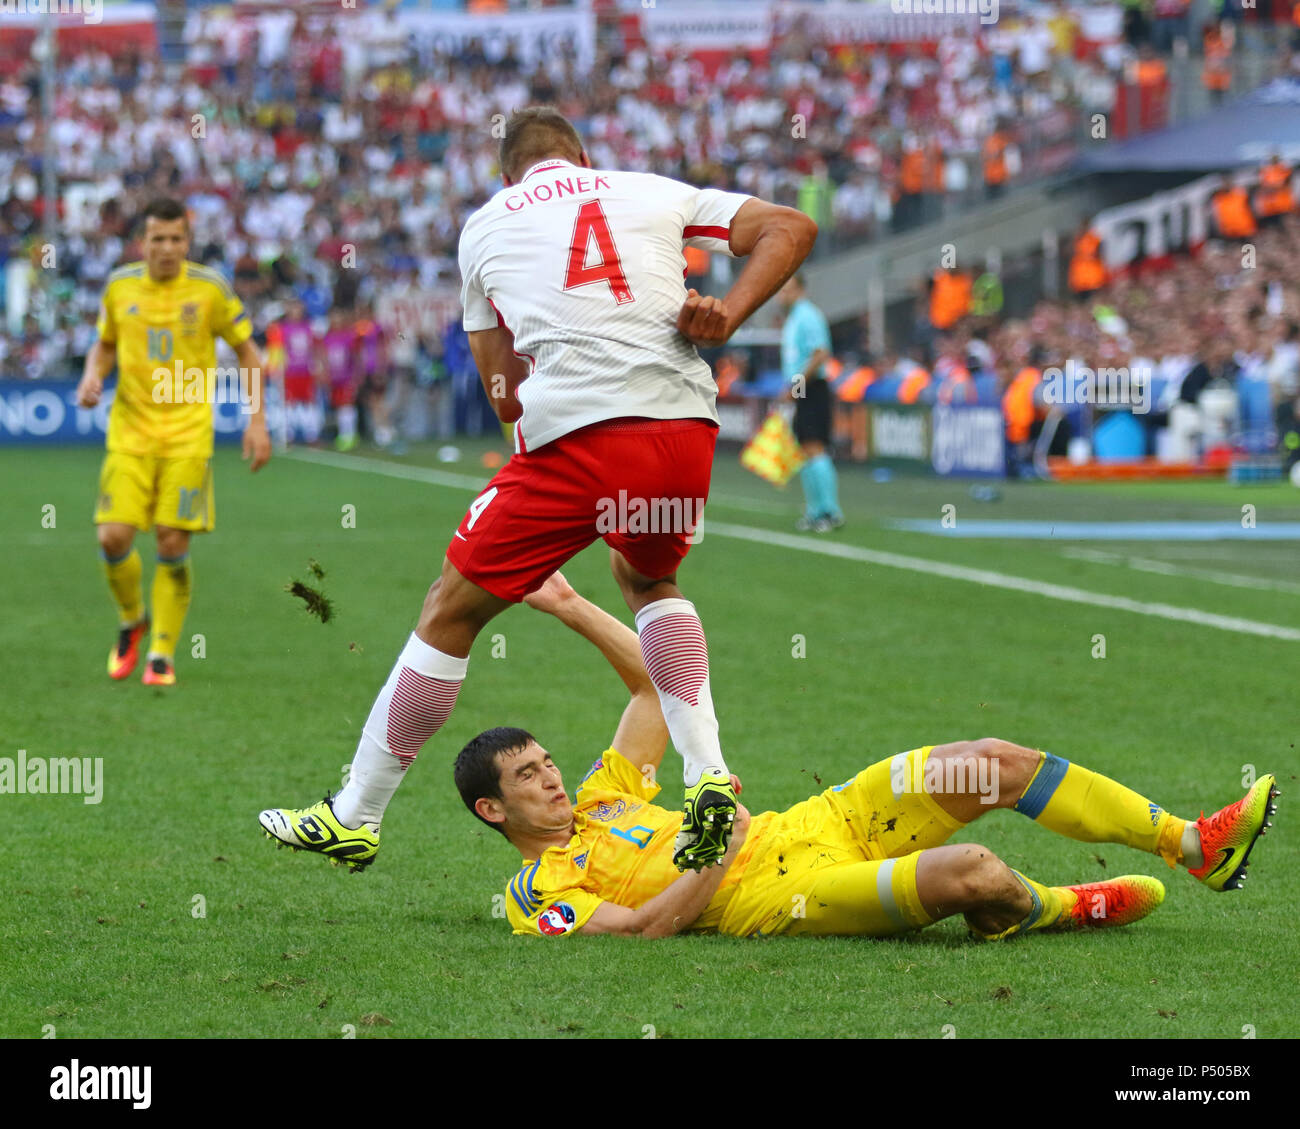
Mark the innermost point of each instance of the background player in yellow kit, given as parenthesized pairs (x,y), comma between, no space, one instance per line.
(158,322)
(866,857)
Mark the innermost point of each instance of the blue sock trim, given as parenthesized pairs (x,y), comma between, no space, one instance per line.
(103,556)
(174,560)
(1043,787)
(1036,910)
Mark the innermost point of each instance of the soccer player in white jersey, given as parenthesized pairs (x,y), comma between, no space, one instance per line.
(585,337)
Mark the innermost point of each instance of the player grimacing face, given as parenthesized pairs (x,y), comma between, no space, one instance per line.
(166,243)
(533,800)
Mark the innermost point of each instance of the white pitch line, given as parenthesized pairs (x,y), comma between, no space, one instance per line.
(451,478)
(1002,580)
(1164,568)
(841,551)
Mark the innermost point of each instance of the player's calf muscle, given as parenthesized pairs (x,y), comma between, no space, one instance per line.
(962,878)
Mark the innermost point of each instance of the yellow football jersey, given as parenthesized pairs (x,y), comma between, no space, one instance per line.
(621,852)
(157,326)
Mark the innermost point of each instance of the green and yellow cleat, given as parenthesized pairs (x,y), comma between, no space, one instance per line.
(126,651)
(710,811)
(317,829)
(1109,903)
(1229,834)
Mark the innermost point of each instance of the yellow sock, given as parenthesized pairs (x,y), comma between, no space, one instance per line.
(1084,805)
(171,600)
(1047,908)
(124,582)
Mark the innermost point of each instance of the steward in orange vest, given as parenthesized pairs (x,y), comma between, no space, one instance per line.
(1087,271)
(1232,214)
(854,385)
(1216,73)
(1273,197)
(912,385)
(1018,407)
(911,175)
(995,162)
(950,298)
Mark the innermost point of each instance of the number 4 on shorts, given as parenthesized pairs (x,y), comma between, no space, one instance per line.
(480,504)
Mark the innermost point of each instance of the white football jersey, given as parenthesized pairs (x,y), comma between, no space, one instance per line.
(585,267)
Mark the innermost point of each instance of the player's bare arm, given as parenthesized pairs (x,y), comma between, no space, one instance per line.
(775,240)
(99,363)
(257,440)
(677,907)
(501,369)
(642,735)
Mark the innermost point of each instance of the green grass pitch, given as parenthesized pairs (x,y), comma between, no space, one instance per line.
(162,911)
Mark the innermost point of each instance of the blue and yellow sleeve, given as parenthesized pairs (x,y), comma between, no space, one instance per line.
(540,902)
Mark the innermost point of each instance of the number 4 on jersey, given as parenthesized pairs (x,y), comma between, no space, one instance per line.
(591,221)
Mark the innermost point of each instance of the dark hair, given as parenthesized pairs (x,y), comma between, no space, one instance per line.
(534,134)
(477,772)
(164,208)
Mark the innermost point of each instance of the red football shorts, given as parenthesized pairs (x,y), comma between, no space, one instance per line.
(343,394)
(299,388)
(639,484)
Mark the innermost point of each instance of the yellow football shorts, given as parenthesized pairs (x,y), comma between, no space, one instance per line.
(145,490)
(843,862)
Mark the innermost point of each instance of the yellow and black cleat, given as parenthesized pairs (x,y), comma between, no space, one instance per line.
(710,811)
(317,829)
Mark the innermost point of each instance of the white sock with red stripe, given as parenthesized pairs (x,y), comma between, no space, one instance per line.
(415,701)
(677,659)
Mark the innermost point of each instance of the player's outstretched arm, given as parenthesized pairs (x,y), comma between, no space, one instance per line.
(500,368)
(677,907)
(642,735)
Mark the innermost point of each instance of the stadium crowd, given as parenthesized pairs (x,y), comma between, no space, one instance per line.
(335,160)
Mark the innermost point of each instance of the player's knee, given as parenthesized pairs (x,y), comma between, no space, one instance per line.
(114,540)
(1008,767)
(172,543)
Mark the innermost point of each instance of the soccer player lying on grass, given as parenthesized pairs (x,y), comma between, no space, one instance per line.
(866,857)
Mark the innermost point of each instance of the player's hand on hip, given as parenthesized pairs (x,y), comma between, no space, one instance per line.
(89,391)
(257,446)
(703,321)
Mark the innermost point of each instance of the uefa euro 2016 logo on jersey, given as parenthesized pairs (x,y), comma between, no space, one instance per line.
(557,919)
